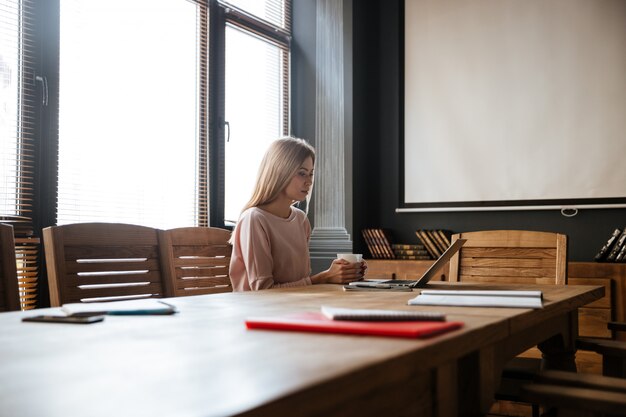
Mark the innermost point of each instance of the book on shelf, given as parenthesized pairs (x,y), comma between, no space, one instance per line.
(407,246)
(379,243)
(385,240)
(428,243)
(617,246)
(604,251)
(424,257)
(621,254)
(437,240)
(378,250)
(446,237)
(371,245)
(401,252)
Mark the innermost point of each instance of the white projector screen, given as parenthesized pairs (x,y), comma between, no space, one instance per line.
(512,103)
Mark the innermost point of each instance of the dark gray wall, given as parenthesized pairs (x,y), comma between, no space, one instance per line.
(377,137)
(303,70)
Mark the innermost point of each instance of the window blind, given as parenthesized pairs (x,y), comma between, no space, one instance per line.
(18,104)
(275,12)
(133,112)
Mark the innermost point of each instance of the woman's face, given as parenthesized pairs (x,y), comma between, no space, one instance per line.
(300,185)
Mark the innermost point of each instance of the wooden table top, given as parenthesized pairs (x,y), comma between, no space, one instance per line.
(203,362)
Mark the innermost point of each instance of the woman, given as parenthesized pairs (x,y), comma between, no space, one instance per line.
(271,239)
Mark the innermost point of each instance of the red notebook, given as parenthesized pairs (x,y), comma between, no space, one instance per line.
(317,322)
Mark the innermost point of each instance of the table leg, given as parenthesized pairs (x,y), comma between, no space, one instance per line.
(559,351)
(446,391)
(478,377)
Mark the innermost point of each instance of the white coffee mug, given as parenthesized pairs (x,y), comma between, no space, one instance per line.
(350,257)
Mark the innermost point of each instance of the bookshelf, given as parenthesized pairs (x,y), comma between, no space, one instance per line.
(432,243)
(401,269)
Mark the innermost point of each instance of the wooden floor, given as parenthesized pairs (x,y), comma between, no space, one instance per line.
(508,408)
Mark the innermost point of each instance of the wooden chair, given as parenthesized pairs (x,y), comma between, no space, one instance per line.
(512,256)
(580,394)
(9,292)
(584,395)
(613,352)
(102,262)
(196,260)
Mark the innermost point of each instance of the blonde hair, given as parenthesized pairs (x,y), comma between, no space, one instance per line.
(280,163)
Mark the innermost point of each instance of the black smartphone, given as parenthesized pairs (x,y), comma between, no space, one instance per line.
(65,319)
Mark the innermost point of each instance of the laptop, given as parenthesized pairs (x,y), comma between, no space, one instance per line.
(422,281)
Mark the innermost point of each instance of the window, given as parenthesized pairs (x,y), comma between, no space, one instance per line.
(128,119)
(256,102)
(254,110)
(18,111)
(119,111)
(144,91)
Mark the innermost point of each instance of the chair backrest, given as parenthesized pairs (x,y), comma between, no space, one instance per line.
(196,260)
(9,293)
(102,262)
(511,256)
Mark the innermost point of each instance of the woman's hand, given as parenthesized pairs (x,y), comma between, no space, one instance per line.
(341,272)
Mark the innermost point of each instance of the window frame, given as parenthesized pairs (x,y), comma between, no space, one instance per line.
(211,111)
(223,14)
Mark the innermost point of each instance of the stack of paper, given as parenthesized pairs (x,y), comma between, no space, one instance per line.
(127,307)
(484,298)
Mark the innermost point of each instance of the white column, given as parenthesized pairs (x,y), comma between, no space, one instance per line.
(329,234)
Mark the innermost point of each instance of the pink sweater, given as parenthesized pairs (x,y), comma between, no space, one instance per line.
(270,251)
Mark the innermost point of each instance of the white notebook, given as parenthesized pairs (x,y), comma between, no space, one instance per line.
(480,298)
(362,314)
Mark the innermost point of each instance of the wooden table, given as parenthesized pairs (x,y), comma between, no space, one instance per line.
(203,362)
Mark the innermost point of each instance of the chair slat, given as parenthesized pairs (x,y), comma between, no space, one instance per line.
(111,251)
(182,273)
(509,272)
(203,251)
(205,262)
(508,262)
(74,280)
(509,280)
(207,282)
(107,234)
(73,267)
(75,295)
(511,238)
(511,253)
(205,290)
